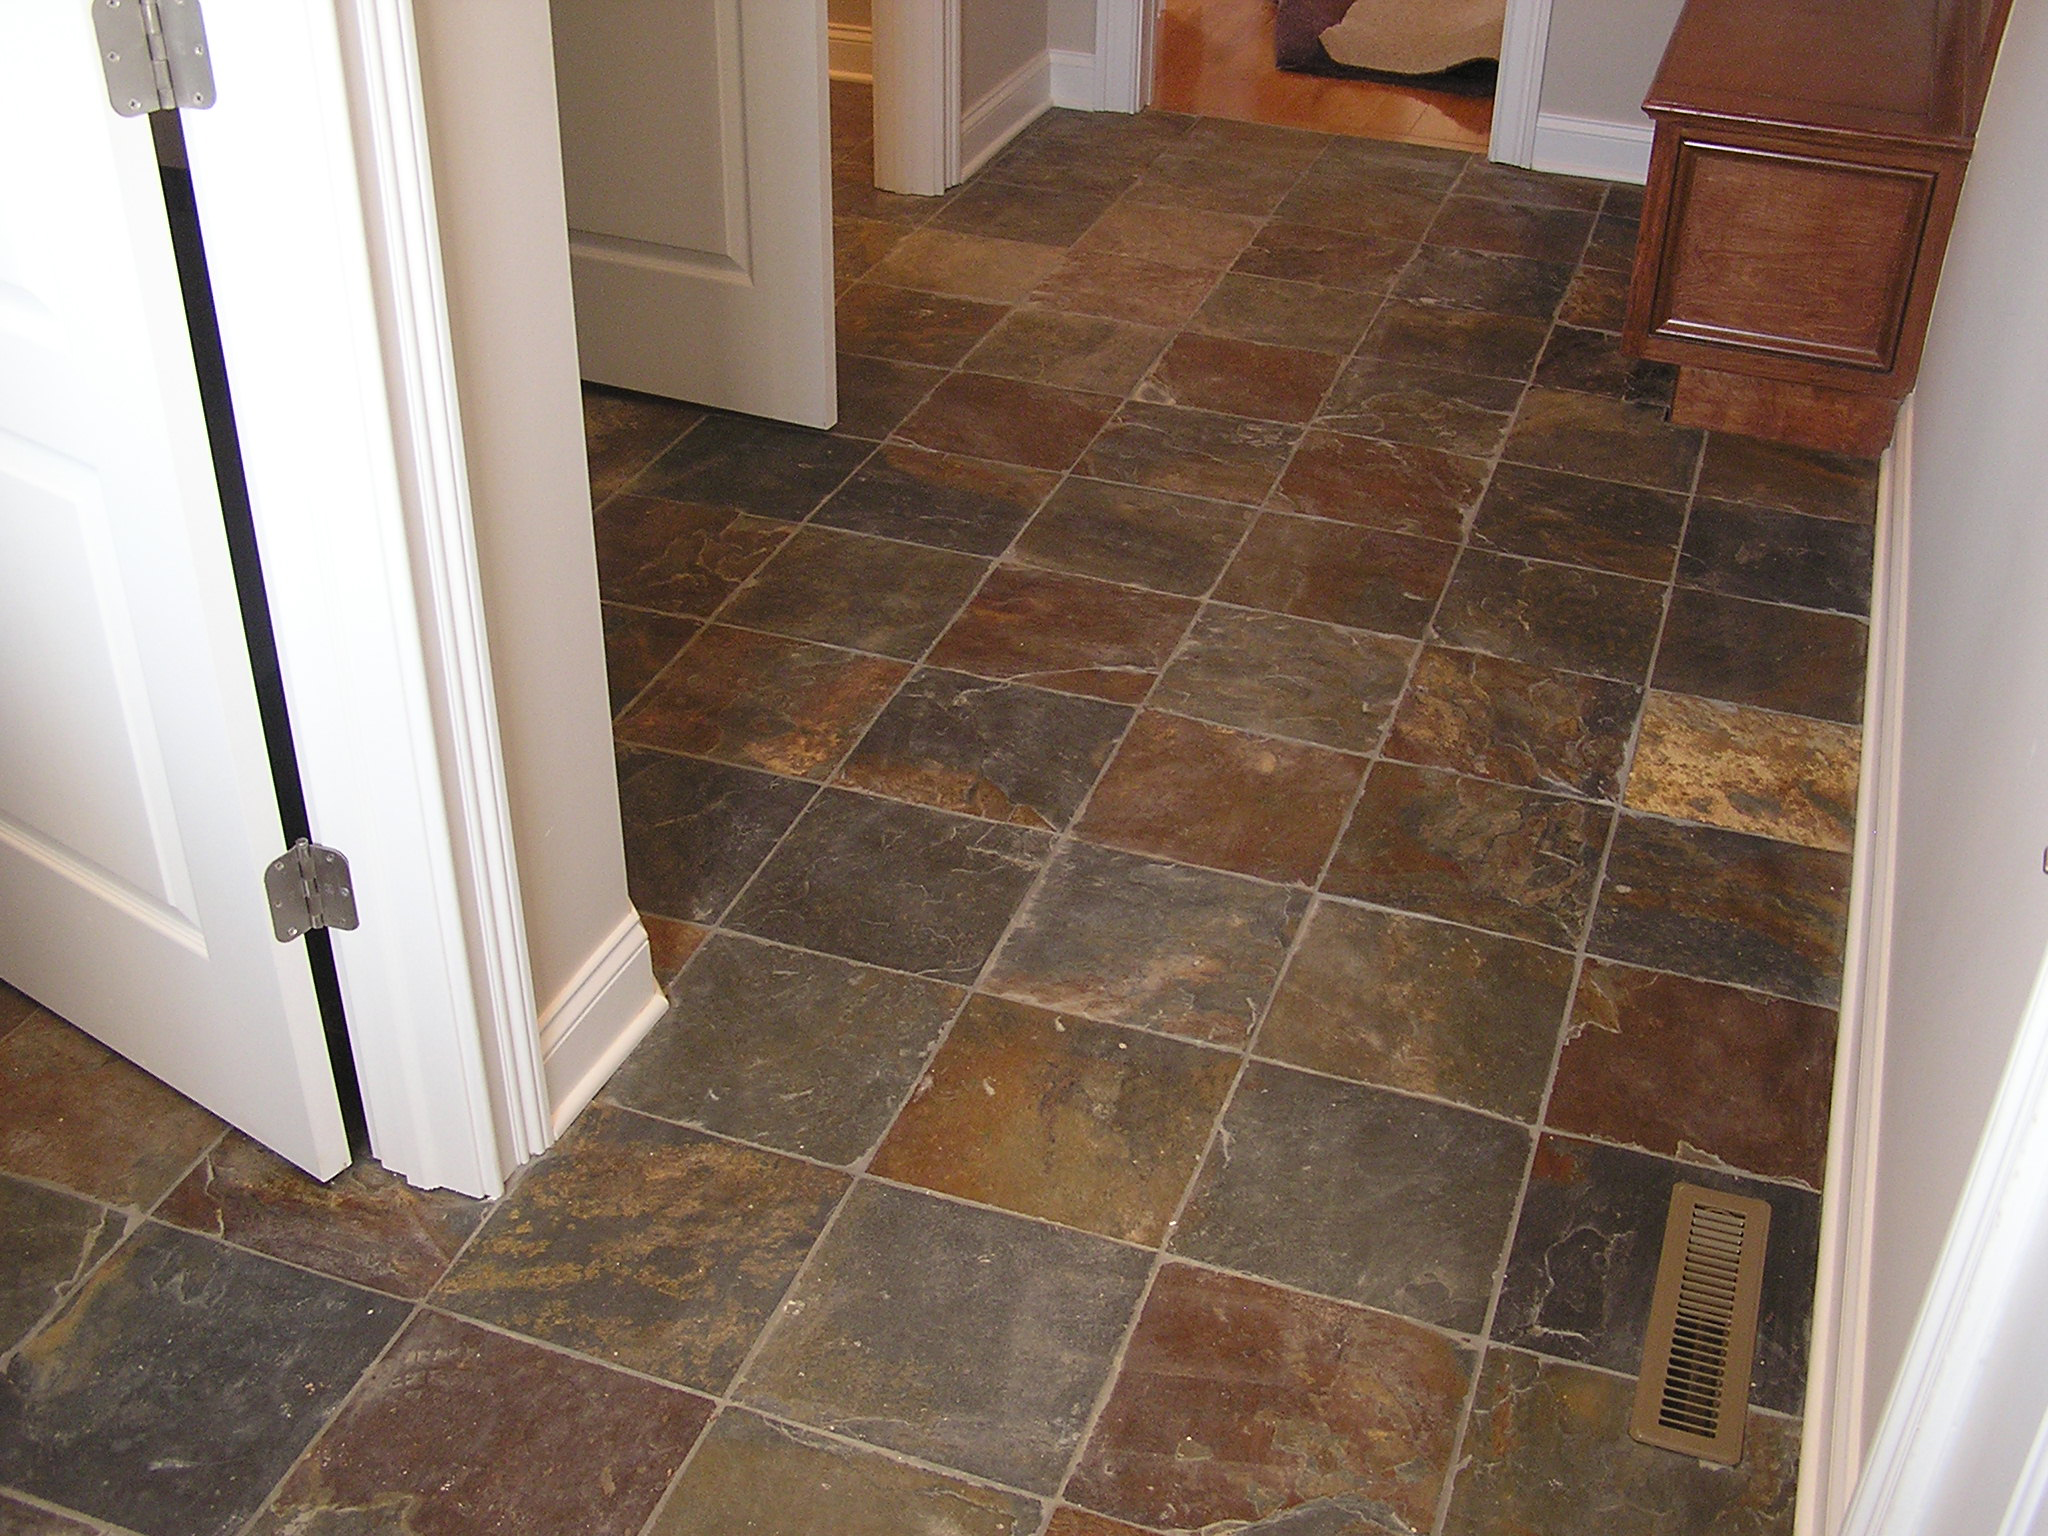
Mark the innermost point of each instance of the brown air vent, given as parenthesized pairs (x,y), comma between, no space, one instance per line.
(1694,1392)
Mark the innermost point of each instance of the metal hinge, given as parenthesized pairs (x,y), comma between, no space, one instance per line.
(310,887)
(155,54)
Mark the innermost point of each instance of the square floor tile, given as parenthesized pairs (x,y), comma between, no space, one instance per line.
(1484,280)
(1789,478)
(968,266)
(761,701)
(1597,299)
(1538,189)
(895,885)
(81,1117)
(875,393)
(1332,200)
(464,1431)
(985,417)
(938,498)
(1585,1254)
(1465,340)
(1749,770)
(1205,794)
(1133,289)
(1696,1071)
(679,559)
(849,589)
(18,1517)
(1780,658)
(905,326)
(1626,529)
(1593,363)
(1006,211)
(1396,486)
(745,464)
(999,750)
(1288,677)
(1242,378)
(1181,237)
(53,1241)
(1065,632)
(1614,242)
(1210,1418)
(754,1475)
(1516,723)
(1777,557)
(637,645)
(1357,1193)
(1363,578)
(363,1225)
(646,1245)
(1490,855)
(1185,951)
(1066,1521)
(1334,258)
(1548,1449)
(858,243)
(1512,229)
(1187,178)
(1403,1002)
(1071,351)
(1607,439)
(968,1337)
(1196,453)
(1125,533)
(1552,615)
(1429,407)
(670,945)
(799,1052)
(1091,1125)
(182,1382)
(624,432)
(1727,907)
(697,831)
(1282,314)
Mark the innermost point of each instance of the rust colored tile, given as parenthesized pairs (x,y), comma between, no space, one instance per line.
(910,327)
(1330,199)
(1763,654)
(1197,453)
(966,266)
(363,1225)
(1333,258)
(1777,557)
(875,393)
(1185,951)
(1749,770)
(1053,216)
(637,645)
(671,944)
(1503,285)
(1516,723)
(763,702)
(1069,1521)
(1613,245)
(1091,1125)
(1471,851)
(985,417)
(857,244)
(1462,340)
(1788,478)
(1538,189)
(937,498)
(1607,439)
(1704,1073)
(1726,907)
(1237,1401)
(1241,378)
(1364,578)
(1512,229)
(848,589)
(1200,239)
(462,1432)
(1430,407)
(1597,299)
(1127,534)
(1289,677)
(1069,351)
(1395,486)
(1593,363)
(679,559)
(1283,314)
(731,463)
(1129,288)
(998,750)
(80,1117)
(1225,799)
(1381,997)
(646,1245)
(1382,163)
(1551,615)
(1066,633)
(1625,529)
(1185,178)
(624,432)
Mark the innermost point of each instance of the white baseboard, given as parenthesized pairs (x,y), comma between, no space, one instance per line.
(1075,82)
(990,123)
(1833,1437)
(597,1020)
(1589,146)
(850,52)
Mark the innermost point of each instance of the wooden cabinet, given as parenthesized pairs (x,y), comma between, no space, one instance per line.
(1807,163)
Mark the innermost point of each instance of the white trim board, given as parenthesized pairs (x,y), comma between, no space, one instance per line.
(594,1025)
(1524,39)
(1589,146)
(1833,1438)
(1003,113)
(850,52)
(1074,82)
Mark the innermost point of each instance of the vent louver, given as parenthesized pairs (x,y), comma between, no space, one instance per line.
(1693,1395)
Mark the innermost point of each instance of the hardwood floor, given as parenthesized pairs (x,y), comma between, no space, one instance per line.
(1216,58)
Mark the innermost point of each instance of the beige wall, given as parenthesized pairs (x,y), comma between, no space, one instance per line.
(997,38)
(1602,55)
(1070,24)
(1972,916)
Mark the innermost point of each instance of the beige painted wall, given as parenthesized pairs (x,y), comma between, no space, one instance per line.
(1972,916)
(997,38)
(1602,56)
(488,71)
(1070,24)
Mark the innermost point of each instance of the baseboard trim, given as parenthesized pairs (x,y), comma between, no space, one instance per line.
(1075,81)
(1833,1435)
(1589,146)
(597,1020)
(1016,102)
(850,52)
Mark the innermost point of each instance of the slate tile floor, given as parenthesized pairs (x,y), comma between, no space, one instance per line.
(1217,847)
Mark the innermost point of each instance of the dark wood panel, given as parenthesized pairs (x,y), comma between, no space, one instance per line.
(1811,415)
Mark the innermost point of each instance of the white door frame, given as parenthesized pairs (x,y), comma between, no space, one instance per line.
(317,207)
(1517,91)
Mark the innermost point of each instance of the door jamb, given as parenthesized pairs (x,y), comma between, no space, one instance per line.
(917,96)
(1518,90)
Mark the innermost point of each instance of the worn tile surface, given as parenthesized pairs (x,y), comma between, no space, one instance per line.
(1287,677)
(1552,615)
(1431,407)
(985,417)
(53,1241)
(1397,486)
(677,558)
(1065,632)
(1750,770)
(1243,378)
(1199,453)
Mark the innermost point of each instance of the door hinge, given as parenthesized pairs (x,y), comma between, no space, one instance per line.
(154,52)
(309,887)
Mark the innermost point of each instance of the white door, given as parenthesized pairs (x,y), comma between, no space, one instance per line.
(696,160)
(137,811)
